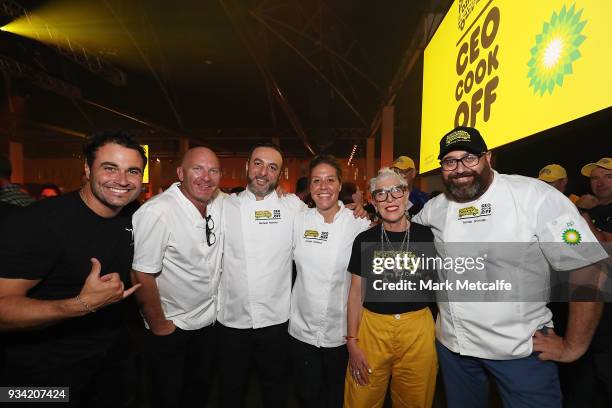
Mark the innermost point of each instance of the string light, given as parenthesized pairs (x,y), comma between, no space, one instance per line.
(352,154)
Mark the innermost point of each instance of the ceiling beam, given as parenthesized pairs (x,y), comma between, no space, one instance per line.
(268,77)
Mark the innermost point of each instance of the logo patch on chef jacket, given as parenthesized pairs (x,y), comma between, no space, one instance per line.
(315,236)
(267,216)
(474,214)
(571,236)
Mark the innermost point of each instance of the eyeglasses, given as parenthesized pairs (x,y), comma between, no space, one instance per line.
(210,235)
(469,160)
(382,194)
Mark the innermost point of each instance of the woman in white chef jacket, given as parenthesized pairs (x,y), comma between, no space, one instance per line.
(323,237)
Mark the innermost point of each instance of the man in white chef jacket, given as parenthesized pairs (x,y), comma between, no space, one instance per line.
(511,340)
(177,260)
(255,288)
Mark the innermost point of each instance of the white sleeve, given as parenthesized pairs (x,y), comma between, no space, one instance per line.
(298,222)
(301,206)
(422,217)
(363,225)
(565,238)
(151,235)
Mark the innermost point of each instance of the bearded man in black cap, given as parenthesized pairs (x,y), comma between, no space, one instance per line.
(520,228)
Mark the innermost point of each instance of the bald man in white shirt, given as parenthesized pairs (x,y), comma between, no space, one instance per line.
(177,260)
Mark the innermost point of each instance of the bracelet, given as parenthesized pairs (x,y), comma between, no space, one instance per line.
(347,338)
(85,304)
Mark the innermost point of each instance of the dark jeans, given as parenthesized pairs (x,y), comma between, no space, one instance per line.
(180,367)
(318,374)
(523,383)
(267,347)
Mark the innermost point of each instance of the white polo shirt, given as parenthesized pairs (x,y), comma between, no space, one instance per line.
(514,209)
(170,237)
(255,284)
(320,293)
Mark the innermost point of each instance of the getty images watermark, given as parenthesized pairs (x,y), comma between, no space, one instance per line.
(530,271)
(403,265)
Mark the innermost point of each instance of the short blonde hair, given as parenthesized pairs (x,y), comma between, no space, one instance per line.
(385,173)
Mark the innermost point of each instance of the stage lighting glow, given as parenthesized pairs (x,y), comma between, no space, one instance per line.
(125,35)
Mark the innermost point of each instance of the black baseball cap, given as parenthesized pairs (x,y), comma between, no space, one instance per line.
(462,138)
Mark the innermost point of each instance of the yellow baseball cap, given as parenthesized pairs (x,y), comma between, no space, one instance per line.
(552,172)
(403,163)
(606,163)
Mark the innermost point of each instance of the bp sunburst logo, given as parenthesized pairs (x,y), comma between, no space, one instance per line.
(555,50)
(571,236)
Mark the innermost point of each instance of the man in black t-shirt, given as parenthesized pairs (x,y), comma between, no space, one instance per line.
(65,262)
(597,208)
(588,381)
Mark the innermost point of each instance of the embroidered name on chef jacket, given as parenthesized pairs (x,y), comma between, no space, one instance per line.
(473,214)
(315,237)
(263,217)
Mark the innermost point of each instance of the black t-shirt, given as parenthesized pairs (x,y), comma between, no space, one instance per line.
(602,217)
(53,241)
(7,209)
(602,340)
(367,246)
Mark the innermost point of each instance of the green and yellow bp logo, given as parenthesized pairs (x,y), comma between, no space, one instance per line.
(571,236)
(555,50)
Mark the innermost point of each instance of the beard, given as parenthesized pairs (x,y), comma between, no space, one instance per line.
(469,191)
(261,191)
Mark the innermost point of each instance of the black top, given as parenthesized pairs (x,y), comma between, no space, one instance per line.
(53,241)
(367,246)
(602,217)
(7,209)
(602,339)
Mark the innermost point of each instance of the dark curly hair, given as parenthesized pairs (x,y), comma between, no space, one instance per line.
(120,137)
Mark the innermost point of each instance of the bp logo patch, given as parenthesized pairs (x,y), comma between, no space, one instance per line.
(571,236)
(555,50)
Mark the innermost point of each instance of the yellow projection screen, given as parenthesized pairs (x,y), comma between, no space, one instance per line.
(145,175)
(514,68)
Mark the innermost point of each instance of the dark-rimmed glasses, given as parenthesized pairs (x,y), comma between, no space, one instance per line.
(210,235)
(382,194)
(469,160)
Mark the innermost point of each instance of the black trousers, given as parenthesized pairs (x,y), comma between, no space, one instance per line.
(101,379)
(267,348)
(180,367)
(318,374)
(587,382)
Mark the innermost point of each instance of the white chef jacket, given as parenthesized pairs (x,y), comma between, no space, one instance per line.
(170,237)
(255,284)
(320,293)
(513,209)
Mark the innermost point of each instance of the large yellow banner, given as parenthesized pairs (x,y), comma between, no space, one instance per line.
(145,175)
(514,68)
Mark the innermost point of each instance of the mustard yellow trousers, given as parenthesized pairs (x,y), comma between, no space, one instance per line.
(401,347)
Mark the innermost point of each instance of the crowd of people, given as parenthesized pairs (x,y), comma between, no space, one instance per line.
(211,275)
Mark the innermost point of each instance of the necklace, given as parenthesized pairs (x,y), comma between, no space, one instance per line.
(388,250)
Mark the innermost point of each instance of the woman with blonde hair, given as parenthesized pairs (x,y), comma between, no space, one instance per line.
(390,332)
